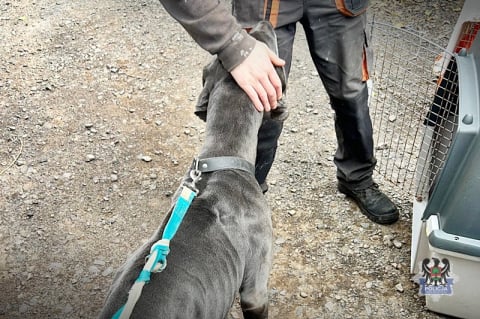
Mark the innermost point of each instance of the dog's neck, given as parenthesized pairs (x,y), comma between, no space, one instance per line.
(232,123)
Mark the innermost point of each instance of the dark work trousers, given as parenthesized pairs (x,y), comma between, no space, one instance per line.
(338,46)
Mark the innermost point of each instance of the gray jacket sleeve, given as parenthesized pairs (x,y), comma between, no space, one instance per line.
(214,28)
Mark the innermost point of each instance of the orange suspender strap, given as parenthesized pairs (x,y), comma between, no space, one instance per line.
(270,11)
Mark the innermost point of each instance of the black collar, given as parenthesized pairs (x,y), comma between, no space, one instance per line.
(211,164)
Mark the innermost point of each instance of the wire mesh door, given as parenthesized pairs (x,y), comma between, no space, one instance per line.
(414,107)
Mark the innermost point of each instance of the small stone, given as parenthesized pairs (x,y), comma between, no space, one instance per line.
(387,240)
(291,212)
(99,262)
(399,287)
(329,305)
(303,294)
(90,157)
(310,131)
(398,244)
(20,162)
(107,272)
(93,270)
(146,158)
(369,284)
(88,125)
(368,309)
(114,69)
(114,177)
(55,266)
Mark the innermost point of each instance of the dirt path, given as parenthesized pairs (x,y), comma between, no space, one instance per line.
(96,129)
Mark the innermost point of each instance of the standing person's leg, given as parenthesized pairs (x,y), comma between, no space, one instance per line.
(283,15)
(271,129)
(337,44)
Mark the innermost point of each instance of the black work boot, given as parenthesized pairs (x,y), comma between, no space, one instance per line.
(373,203)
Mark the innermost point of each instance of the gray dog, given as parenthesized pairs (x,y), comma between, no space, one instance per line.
(224,244)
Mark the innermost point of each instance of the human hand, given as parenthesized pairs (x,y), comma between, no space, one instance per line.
(256,75)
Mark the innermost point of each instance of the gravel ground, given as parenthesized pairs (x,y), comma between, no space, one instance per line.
(96,130)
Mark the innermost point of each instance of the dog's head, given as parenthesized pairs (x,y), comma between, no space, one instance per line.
(214,72)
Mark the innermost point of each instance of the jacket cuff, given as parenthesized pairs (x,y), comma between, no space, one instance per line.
(237,50)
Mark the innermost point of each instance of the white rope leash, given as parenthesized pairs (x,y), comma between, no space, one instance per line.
(157,260)
(136,290)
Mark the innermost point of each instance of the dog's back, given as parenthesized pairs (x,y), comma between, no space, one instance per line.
(223,245)
(209,258)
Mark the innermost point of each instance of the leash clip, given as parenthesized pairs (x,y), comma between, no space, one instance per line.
(195,175)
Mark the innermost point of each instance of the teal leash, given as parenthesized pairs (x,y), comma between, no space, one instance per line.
(157,259)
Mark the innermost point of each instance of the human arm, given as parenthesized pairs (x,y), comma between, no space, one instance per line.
(250,62)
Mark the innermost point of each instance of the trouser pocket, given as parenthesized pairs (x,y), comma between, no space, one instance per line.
(351,8)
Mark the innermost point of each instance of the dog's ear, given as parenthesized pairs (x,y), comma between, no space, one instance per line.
(283,78)
(208,81)
(264,32)
(213,74)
